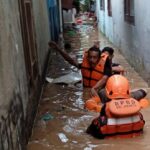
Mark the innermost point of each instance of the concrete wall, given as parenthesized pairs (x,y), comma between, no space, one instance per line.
(133,40)
(14,98)
(42,30)
(101,17)
(105,22)
(13,89)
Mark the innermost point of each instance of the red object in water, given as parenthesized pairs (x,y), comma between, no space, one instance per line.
(79,21)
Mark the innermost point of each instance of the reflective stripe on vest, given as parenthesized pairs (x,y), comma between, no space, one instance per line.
(106,126)
(125,120)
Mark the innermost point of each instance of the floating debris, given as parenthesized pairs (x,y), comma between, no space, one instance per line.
(63,137)
(71,78)
(47,117)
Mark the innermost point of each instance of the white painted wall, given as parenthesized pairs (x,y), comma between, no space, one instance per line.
(105,23)
(133,40)
(100,17)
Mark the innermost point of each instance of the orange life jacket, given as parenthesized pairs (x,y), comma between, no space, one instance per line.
(111,125)
(93,104)
(91,76)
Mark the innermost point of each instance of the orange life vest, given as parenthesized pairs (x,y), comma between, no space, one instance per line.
(91,76)
(110,124)
(93,104)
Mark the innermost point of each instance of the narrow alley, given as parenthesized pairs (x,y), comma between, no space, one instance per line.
(61,120)
(43,97)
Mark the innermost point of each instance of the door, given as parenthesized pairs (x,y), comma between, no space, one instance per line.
(29,43)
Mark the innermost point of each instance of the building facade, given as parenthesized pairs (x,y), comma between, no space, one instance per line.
(24,36)
(126,24)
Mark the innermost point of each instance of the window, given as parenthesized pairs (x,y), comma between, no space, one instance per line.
(129,11)
(109,8)
(102,4)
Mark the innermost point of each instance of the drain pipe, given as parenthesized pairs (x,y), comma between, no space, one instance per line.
(60,14)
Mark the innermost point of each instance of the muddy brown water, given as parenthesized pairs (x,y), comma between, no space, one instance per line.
(66,105)
(67,115)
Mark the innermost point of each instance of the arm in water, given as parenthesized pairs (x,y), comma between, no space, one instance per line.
(99,85)
(64,54)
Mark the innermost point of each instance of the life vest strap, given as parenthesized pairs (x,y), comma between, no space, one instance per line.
(89,78)
(88,68)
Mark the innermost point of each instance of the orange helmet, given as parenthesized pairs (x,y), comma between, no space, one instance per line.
(117,86)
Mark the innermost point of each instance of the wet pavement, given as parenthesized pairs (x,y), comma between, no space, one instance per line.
(61,120)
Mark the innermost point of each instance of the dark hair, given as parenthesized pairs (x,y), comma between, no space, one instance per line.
(94,48)
(67,45)
(110,50)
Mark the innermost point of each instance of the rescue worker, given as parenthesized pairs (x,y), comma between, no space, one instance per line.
(120,116)
(95,68)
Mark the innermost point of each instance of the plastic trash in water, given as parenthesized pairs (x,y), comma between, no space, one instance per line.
(75,142)
(63,137)
(90,147)
(68,129)
(50,80)
(87,148)
(47,117)
(71,78)
(41,124)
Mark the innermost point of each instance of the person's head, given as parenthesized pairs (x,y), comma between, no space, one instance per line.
(67,46)
(93,56)
(97,44)
(117,87)
(109,51)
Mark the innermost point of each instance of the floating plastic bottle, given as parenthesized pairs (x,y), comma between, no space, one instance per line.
(63,137)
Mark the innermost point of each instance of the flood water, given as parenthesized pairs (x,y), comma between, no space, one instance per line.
(62,120)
